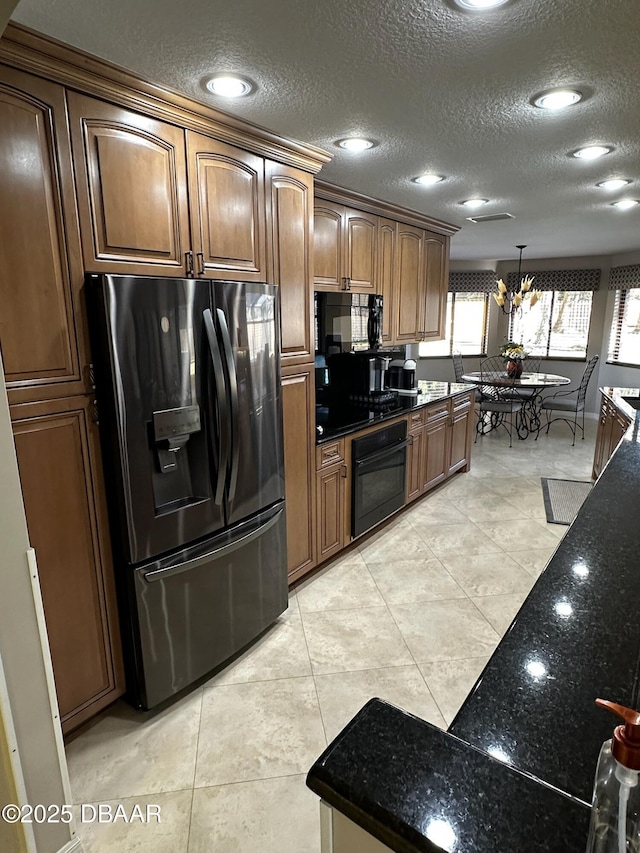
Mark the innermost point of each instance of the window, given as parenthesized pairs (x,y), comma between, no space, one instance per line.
(557,326)
(624,340)
(466,327)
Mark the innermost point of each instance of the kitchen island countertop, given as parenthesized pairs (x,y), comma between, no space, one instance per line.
(523,747)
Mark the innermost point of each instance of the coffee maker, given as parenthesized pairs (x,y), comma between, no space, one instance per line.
(402,377)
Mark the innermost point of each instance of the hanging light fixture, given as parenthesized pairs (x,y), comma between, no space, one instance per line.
(511,300)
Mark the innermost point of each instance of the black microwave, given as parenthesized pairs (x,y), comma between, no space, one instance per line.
(347,322)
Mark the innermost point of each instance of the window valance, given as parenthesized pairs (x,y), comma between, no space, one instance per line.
(558,279)
(624,278)
(479,281)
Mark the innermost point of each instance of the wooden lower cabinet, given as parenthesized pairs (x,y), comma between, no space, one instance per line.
(415,464)
(298,407)
(436,445)
(461,430)
(61,476)
(612,425)
(331,499)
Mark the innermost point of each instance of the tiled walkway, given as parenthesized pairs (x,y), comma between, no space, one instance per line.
(411,615)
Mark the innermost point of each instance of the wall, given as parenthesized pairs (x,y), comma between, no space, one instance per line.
(601,315)
(26,662)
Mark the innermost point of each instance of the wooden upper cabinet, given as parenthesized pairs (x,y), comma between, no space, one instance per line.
(40,267)
(386,272)
(61,480)
(409,284)
(436,285)
(226,188)
(328,245)
(289,259)
(131,188)
(345,248)
(361,245)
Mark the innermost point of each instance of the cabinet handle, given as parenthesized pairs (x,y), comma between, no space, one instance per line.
(92,377)
(94,412)
(346,283)
(410,440)
(345,471)
(188,257)
(200,257)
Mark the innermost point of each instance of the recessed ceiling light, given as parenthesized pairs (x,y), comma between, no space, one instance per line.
(624,203)
(428,180)
(479,5)
(613,183)
(474,202)
(556,99)
(355,143)
(591,152)
(229,85)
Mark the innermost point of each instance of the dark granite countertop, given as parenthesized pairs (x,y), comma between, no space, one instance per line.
(339,419)
(531,715)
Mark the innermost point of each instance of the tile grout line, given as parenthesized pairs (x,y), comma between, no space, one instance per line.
(195,768)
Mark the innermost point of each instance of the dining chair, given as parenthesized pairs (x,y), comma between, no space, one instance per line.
(501,403)
(570,402)
(458,369)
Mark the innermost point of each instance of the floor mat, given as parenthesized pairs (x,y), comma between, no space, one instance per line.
(563,498)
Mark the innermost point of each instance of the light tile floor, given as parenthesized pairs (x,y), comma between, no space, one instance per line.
(410,615)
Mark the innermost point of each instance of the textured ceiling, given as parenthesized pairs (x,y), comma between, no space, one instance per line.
(438,88)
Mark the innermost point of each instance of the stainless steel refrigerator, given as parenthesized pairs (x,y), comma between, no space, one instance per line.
(188,393)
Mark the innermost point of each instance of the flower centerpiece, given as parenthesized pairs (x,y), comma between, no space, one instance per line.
(514,354)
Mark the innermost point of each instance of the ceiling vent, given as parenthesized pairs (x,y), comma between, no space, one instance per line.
(491,217)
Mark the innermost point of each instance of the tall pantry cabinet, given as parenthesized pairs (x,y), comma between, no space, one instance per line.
(46,362)
(101,172)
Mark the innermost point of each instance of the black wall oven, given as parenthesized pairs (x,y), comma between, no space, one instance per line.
(379,463)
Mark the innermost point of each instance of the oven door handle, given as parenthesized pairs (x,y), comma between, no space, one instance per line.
(384,452)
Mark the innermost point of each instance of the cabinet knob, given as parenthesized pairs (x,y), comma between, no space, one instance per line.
(345,471)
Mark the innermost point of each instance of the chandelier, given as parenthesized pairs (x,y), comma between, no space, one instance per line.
(511,300)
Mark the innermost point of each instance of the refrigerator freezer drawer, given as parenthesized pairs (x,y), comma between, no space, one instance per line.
(194,613)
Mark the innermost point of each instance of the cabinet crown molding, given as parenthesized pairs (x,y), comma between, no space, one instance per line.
(27,50)
(330,192)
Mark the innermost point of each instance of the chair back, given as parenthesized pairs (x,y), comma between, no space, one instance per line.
(586,376)
(490,367)
(458,367)
(531,365)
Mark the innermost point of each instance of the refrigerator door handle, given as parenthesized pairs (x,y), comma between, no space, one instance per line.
(233,400)
(160,574)
(221,392)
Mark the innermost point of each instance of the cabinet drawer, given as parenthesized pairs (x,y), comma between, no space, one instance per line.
(329,454)
(459,404)
(437,412)
(416,419)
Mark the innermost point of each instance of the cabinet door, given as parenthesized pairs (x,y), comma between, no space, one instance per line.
(62,489)
(331,494)
(460,444)
(386,272)
(298,408)
(226,191)
(436,445)
(415,464)
(328,246)
(40,266)
(409,290)
(436,286)
(290,220)
(361,255)
(131,186)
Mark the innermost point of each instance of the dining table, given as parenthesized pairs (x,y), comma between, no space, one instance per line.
(528,389)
